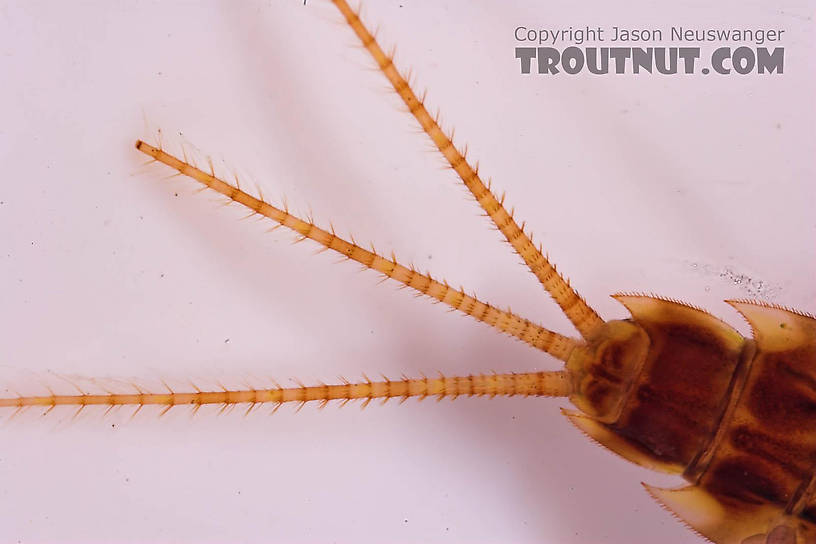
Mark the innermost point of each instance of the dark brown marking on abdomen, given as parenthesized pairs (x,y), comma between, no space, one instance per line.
(769,449)
(677,402)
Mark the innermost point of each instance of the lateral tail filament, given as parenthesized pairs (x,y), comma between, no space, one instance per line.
(538,384)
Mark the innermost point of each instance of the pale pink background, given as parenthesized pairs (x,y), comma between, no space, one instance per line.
(672,185)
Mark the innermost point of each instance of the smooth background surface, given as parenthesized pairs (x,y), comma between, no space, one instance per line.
(695,187)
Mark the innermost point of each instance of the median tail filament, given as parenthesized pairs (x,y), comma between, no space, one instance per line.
(505,321)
